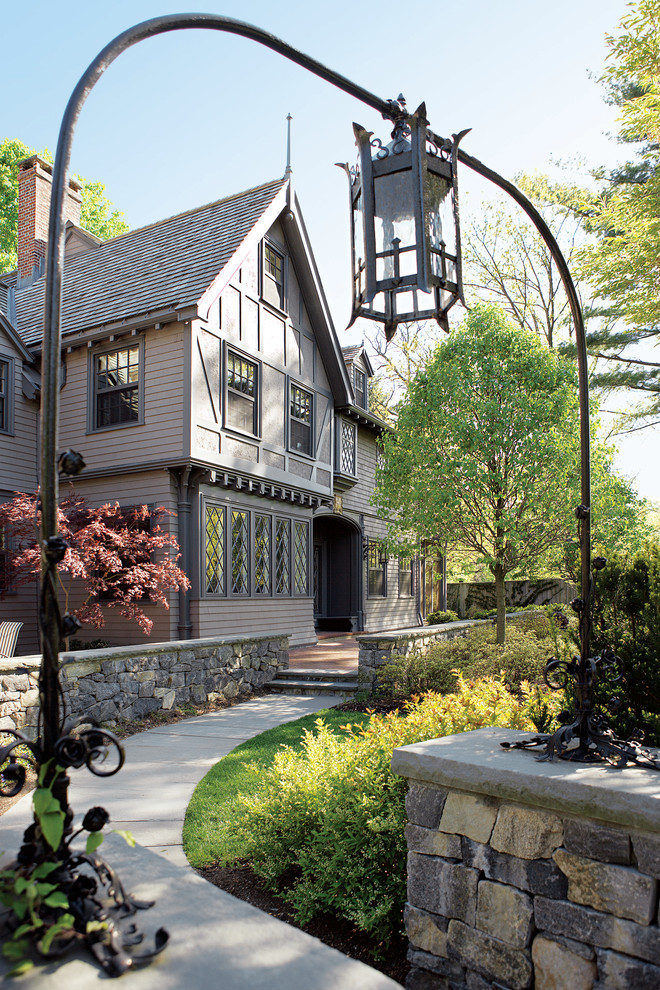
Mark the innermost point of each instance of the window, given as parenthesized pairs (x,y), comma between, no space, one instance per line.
(273,276)
(300,555)
(405,577)
(240,553)
(117,375)
(215,550)
(360,380)
(282,556)
(262,554)
(347,448)
(300,420)
(376,570)
(241,411)
(6,382)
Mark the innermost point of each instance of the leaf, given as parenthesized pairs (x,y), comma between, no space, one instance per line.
(96,926)
(64,924)
(21,968)
(15,949)
(43,801)
(52,827)
(57,900)
(94,840)
(126,836)
(43,870)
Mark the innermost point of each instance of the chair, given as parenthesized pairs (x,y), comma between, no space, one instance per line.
(8,637)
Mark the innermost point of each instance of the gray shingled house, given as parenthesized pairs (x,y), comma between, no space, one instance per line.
(201,372)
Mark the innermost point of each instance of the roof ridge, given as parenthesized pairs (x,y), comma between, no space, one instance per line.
(195,209)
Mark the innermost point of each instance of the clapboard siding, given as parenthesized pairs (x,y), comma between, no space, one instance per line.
(18,449)
(164,431)
(292,617)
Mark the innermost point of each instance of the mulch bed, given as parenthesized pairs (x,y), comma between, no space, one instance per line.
(242,882)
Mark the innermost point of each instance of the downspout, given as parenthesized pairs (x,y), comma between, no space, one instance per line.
(186,479)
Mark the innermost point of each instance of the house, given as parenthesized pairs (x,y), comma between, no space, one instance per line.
(201,372)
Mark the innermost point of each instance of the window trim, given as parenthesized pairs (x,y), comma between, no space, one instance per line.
(8,428)
(291,384)
(272,245)
(256,416)
(121,345)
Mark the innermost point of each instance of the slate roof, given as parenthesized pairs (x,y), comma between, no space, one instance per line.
(166,265)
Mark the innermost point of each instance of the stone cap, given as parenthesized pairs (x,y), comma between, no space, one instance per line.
(476,763)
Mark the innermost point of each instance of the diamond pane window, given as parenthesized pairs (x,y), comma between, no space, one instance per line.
(240,553)
(215,550)
(282,556)
(347,448)
(300,555)
(300,420)
(117,387)
(262,555)
(242,380)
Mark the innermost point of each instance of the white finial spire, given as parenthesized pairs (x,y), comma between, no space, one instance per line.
(289,170)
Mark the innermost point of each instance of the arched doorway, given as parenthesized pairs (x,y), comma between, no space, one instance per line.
(337,575)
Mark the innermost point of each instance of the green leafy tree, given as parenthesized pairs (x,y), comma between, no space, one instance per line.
(621,263)
(486,449)
(97,214)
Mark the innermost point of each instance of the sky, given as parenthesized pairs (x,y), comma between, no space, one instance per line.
(187,118)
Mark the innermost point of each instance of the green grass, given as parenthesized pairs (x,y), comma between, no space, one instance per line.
(207,829)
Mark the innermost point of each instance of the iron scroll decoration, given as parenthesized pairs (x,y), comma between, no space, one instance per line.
(85,877)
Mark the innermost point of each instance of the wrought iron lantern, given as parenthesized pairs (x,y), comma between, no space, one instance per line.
(405,236)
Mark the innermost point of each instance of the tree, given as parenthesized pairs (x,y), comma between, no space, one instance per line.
(119,557)
(96,213)
(486,449)
(622,262)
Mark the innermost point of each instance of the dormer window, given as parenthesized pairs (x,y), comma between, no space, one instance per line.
(273,276)
(360,385)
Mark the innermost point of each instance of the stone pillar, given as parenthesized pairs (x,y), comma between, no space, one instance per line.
(529,875)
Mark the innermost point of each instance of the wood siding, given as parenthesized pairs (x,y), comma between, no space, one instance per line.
(291,617)
(18,448)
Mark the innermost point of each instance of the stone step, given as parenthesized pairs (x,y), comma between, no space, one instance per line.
(316,674)
(313,682)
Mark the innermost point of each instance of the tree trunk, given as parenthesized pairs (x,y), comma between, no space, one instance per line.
(500,599)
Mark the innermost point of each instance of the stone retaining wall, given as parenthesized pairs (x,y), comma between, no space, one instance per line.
(127,682)
(526,875)
(380,648)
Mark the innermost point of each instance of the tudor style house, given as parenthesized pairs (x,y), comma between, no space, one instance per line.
(201,372)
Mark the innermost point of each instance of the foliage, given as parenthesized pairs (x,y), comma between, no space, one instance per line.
(214,812)
(331,816)
(521,658)
(96,213)
(119,557)
(627,618)
(485,449)
(437,618)
(621,263)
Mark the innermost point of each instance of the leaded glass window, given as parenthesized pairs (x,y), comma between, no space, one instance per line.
(282,556)
(242,392)
(347,448)
(300,556)
(215,550)
(117,387)
(262,553)
(300,420)
(240,553)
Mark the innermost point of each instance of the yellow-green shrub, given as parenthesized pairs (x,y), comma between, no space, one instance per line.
(331,816)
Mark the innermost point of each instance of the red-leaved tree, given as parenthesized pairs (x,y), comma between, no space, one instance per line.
(117,557)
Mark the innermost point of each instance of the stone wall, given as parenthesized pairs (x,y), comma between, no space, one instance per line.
(466,595)
(128,682)
(526,875)
(380,648)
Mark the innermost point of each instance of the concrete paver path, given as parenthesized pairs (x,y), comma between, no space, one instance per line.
(216,940)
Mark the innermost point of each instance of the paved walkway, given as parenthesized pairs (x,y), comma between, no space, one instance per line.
(216,940)
(334,651)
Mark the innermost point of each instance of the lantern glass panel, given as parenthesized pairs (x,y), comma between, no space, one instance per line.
(440,224)
(394,218)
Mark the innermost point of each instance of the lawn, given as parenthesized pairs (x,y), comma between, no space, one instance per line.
(208,836)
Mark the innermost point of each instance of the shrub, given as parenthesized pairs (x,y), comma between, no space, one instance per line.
(331,816)
(521,658)
(437,618)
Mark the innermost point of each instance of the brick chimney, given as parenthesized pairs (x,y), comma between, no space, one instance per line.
(35,179)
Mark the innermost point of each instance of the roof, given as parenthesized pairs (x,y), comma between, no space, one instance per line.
(167,265)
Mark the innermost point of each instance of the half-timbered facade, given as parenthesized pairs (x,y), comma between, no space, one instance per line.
(201,372)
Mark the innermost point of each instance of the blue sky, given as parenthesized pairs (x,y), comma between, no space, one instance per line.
(187,118)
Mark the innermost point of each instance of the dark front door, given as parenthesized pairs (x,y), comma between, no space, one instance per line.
(336,575)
